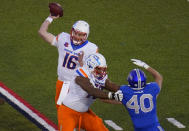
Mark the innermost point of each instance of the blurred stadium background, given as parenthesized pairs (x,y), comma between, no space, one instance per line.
(156,31)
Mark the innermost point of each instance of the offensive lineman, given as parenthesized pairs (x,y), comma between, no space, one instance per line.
(72,48)
(74,106)
(138,97)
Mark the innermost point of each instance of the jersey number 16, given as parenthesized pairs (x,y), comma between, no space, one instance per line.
(69,61)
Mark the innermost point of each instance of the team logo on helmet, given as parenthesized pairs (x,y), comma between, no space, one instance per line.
(96,64)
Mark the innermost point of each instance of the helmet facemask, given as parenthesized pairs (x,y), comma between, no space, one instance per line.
(78,37)
(99,72)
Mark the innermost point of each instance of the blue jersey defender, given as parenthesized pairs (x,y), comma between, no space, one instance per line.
(141,105)
(140,98)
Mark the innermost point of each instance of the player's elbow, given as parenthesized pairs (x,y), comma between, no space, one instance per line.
(43,35)
(40,32)
(159,80)
(160,77)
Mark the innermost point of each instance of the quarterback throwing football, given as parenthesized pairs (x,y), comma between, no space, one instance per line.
(72,48)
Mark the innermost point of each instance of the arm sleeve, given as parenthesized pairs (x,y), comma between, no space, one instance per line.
(93,49)
(155,87)
(122,88)
(55,41)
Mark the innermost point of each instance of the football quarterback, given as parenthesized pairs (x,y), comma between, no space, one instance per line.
(73,49)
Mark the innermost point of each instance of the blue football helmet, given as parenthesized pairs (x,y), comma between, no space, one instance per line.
(137,79)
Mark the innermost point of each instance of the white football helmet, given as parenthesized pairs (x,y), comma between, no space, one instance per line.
(96,64)
(79,32)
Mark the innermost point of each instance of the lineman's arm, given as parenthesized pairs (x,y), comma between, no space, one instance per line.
(157,76)
(111,86)
(88,87)
(48,37)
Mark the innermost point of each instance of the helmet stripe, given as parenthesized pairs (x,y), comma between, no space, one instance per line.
(139,78)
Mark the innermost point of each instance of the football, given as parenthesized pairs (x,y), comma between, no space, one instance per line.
(56,9)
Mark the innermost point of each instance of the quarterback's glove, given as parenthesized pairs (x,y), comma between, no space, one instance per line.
(118,96)
(140,63)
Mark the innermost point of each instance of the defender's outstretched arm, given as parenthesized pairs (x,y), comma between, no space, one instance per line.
(157,76)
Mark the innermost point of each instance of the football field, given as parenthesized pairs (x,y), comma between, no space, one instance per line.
(155,31)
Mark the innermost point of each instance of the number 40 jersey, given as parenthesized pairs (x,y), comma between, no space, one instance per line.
(68,55)
(141,105)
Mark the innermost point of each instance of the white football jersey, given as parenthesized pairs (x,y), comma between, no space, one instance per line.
(68,55)
(78,99)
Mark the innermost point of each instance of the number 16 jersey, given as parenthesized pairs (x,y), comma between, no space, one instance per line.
(68,55)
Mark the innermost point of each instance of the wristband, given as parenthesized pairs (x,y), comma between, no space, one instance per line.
(146,66)
(49,19)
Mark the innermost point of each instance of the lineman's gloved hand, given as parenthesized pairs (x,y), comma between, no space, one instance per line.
(118,96)
(140,63)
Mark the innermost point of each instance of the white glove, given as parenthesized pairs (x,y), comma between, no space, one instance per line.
(118,96)
(140,63)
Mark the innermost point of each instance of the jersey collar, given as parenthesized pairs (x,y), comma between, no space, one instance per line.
(75,47)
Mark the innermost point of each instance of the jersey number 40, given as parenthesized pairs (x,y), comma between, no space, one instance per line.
(133,103)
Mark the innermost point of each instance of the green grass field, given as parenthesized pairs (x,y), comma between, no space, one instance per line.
(155,31)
